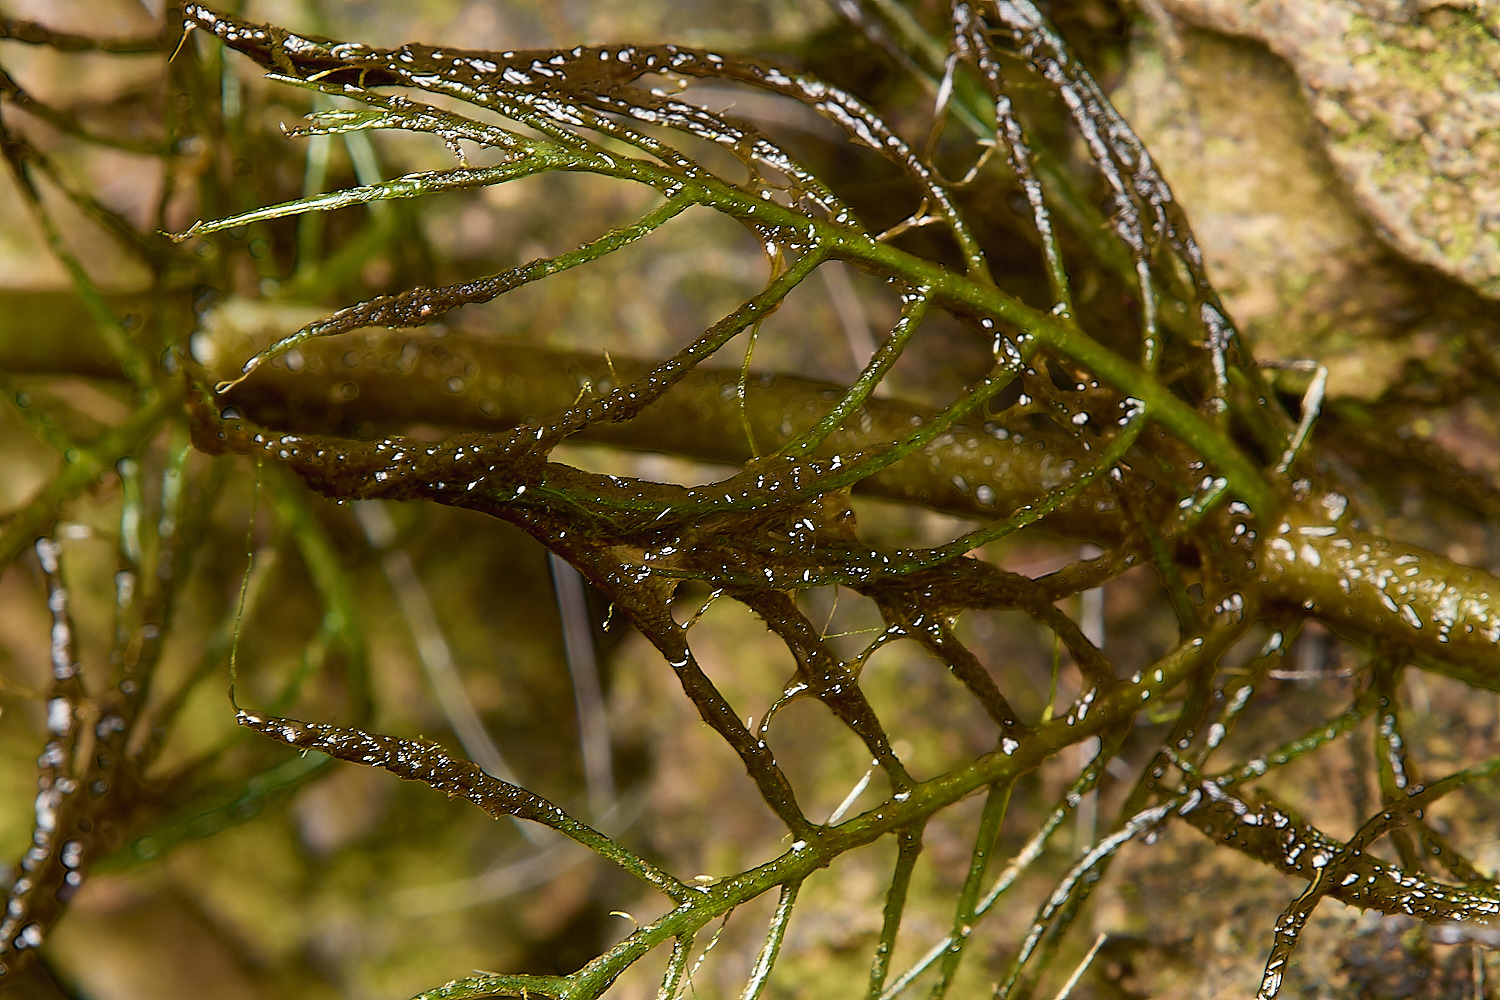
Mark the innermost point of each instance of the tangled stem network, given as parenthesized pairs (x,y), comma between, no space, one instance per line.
(1157,441)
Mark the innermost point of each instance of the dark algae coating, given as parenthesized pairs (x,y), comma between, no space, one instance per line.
(1050,416)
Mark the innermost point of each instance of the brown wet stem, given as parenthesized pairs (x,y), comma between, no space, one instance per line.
(827,678)
(1278,836)
(938,639)
(463,382)
(433,766)
(656,624)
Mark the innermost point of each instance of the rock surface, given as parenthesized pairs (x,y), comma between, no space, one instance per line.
(1407,97)
(1296,246)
